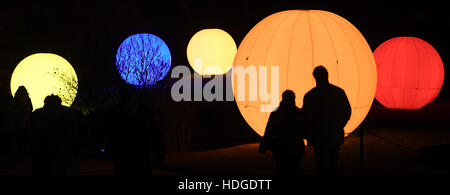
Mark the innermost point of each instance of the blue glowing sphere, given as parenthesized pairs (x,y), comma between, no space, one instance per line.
(143,59)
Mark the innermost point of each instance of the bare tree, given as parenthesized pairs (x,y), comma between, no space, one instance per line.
(97,98)
(68,91)
(141,60)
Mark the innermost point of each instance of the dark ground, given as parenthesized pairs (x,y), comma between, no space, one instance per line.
(393,139)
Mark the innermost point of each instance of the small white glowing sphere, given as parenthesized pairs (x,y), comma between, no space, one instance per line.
(211,52)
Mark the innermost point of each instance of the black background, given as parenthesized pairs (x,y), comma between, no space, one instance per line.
(88,33)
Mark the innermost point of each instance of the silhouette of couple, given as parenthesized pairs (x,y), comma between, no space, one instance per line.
(55,148)
(55,142)
(321,121)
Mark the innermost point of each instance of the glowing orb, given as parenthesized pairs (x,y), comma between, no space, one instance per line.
(143,59)
(297,41)
(410,73)
(44,74)
(211,52)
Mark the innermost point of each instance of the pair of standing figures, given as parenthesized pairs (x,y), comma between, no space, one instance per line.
(321,122)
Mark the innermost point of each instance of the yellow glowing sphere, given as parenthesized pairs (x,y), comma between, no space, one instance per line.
(44,74)
(211,52)
(297,41)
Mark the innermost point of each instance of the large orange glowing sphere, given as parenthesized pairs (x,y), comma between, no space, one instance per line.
(297,41)
(410,73)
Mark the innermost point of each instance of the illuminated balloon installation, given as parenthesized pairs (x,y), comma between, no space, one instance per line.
(44,74)
(211,52)
(143,59)
(297,41)
(410,73)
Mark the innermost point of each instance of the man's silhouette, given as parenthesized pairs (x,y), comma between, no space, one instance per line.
(135,137)
(47,127)
(284,135)
(328,110)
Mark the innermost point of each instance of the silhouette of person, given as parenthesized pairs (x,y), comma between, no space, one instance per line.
(52,141)
(71,147)
(20,120)
(284,135)
(328,110)
(6,138)
(134,139)
(157,144)
(5,102)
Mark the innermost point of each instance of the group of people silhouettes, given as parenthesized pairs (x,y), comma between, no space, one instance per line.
(51,136)
(48,136)
(321,122)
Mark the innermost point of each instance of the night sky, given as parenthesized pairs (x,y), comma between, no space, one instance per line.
(88,33)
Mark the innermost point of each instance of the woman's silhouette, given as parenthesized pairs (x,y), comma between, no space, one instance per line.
(284,135)
(20,120)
